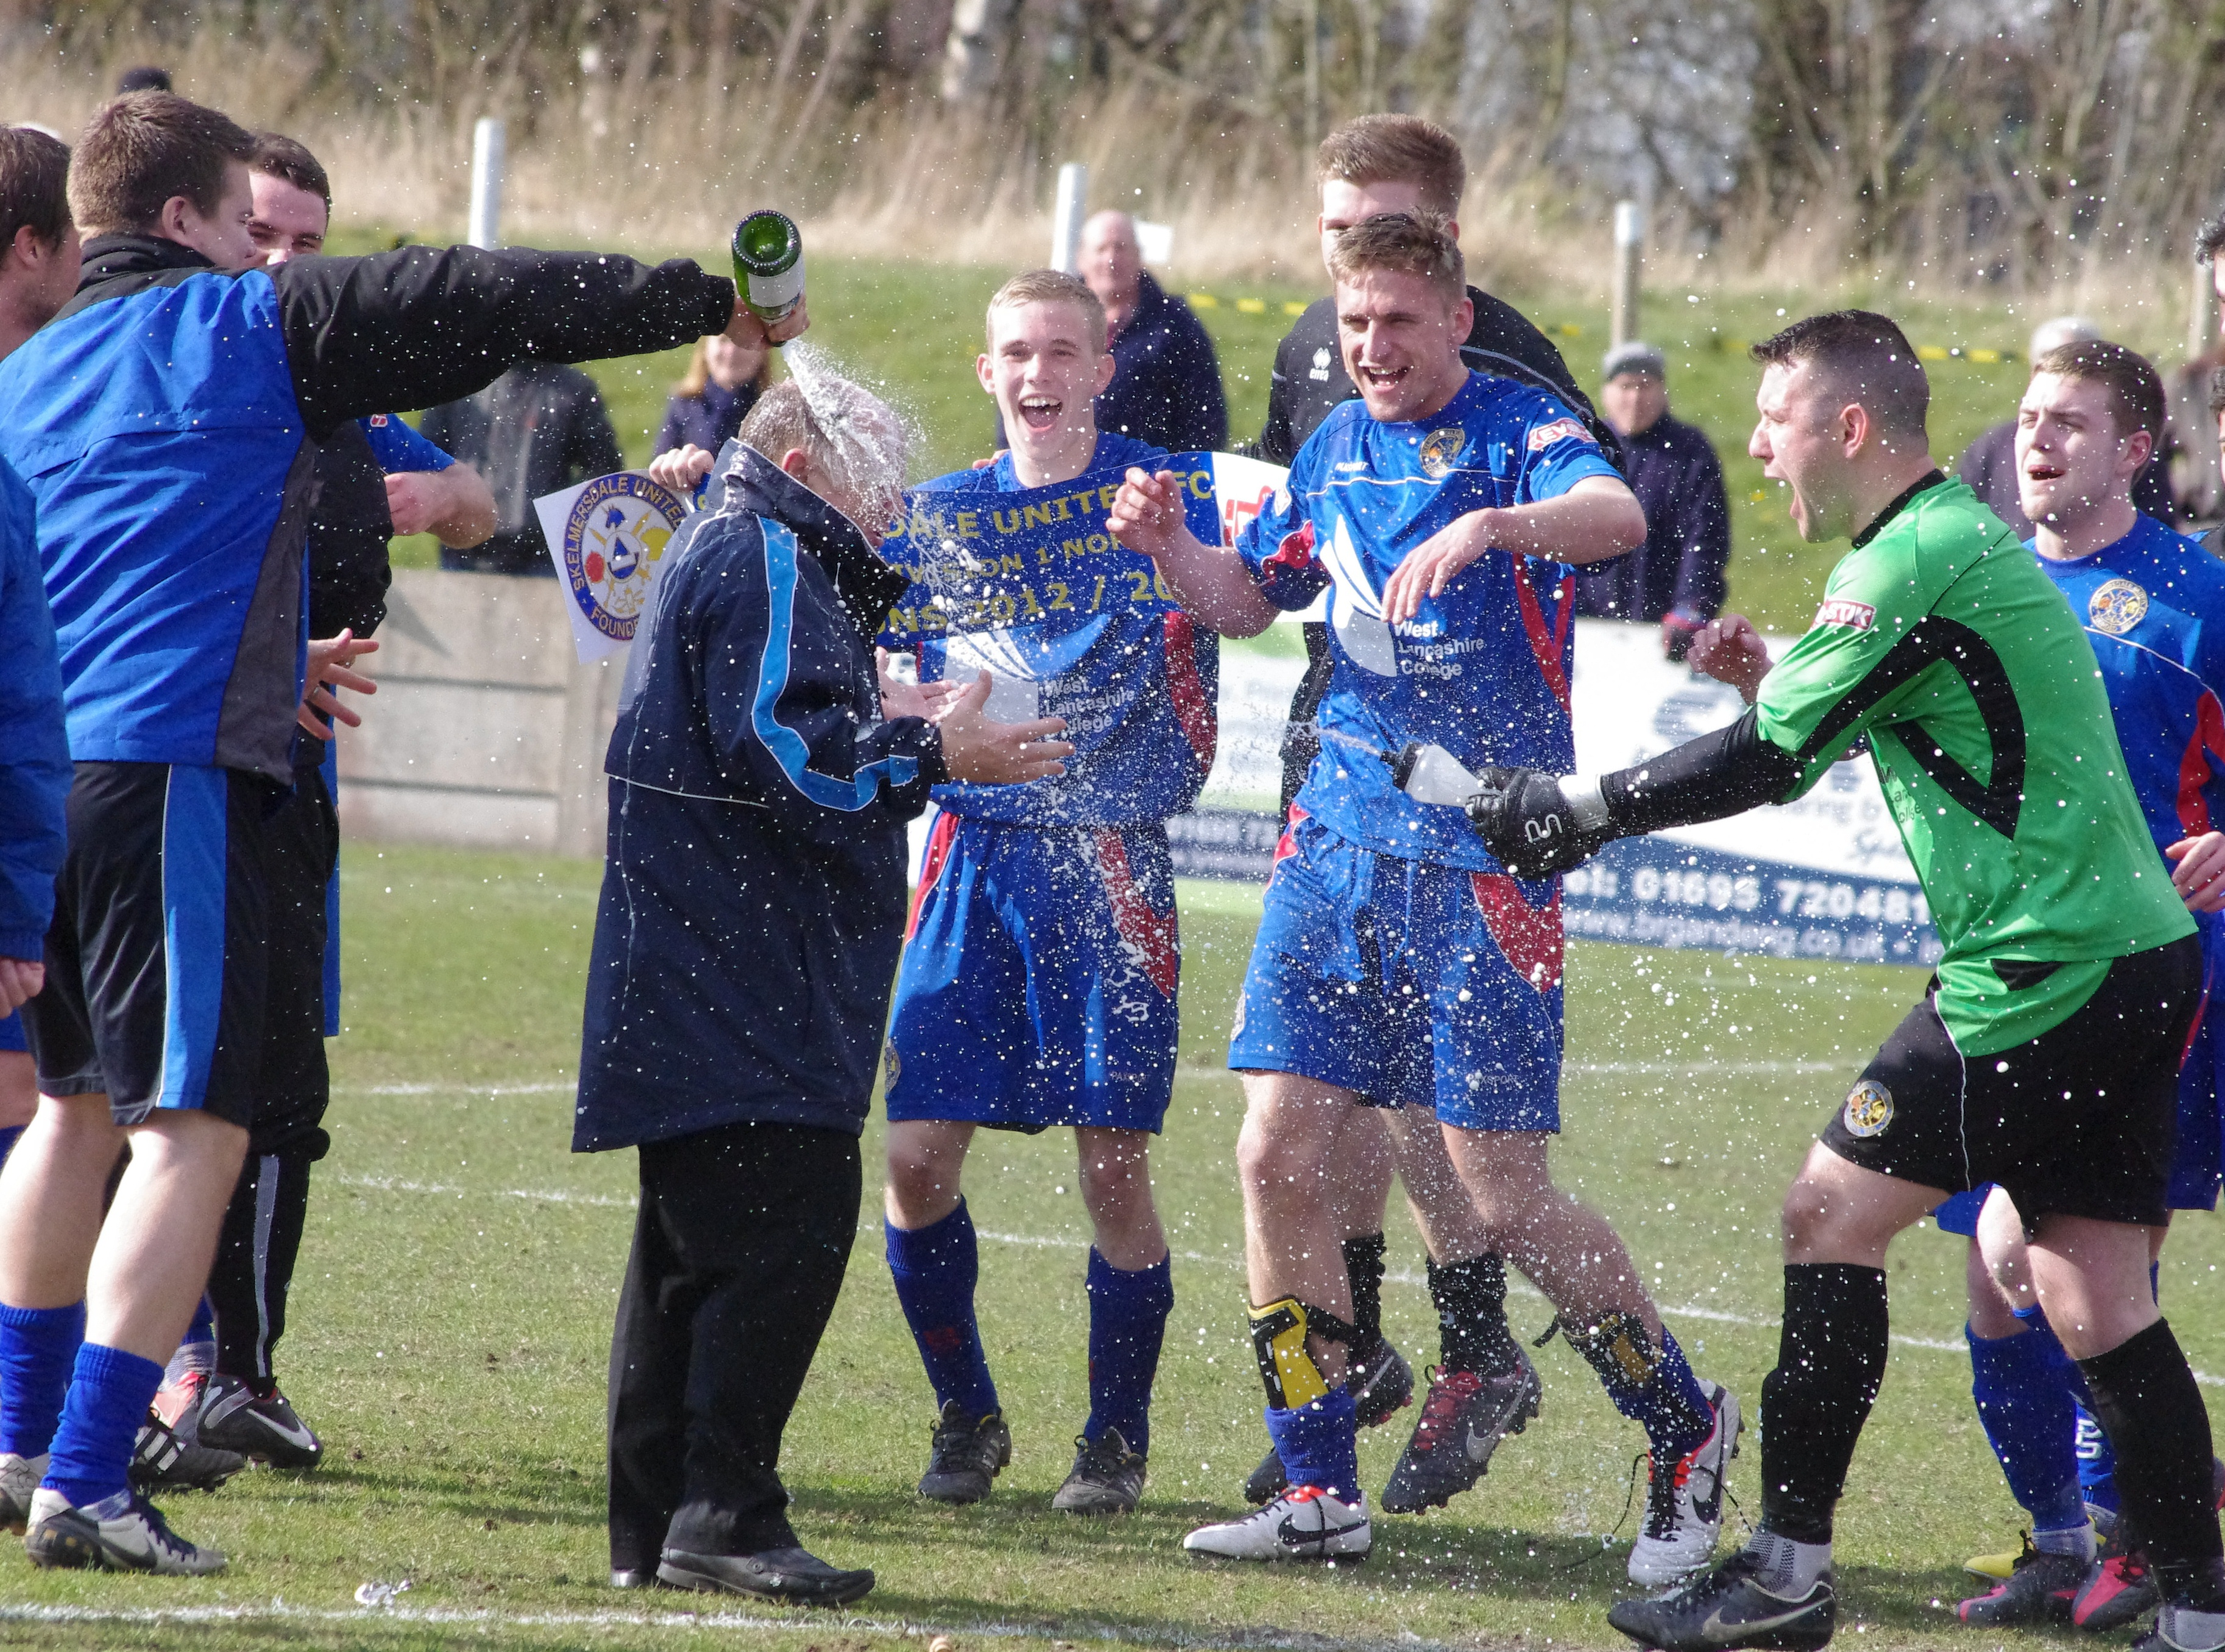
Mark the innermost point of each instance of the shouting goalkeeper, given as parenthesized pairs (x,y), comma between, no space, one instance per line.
(2044,1057)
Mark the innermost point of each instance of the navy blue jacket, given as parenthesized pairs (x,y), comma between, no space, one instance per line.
(1166,379)
(708,421)
(169,421)
(34,759)
(753,888)
(1673,470)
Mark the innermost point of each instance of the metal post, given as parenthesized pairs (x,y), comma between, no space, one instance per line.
(2202,312)
(1066,223)
(1629,238)
(486,183)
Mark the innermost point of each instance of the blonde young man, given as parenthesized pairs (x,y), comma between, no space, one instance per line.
(1039,977)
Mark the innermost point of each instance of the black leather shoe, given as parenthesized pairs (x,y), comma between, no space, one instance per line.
(790,1575)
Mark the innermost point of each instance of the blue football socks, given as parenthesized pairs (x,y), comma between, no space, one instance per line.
(109,1394)
(1671,1405)
(1128,1311)
(1319,1443)
(38,1347)
(2029,1416)
(8,1136)
(935,1269)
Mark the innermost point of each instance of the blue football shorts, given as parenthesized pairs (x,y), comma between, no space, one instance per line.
(2199,1161)
(1039,978)
(1409,984)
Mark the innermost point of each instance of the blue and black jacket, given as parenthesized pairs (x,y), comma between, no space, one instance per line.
(34,759)
(168,422)
(753,891)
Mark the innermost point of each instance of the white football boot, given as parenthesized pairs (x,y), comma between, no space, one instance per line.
(1304,1523)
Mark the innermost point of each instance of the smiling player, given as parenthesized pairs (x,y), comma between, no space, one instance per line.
(1398,963)
(1038,983)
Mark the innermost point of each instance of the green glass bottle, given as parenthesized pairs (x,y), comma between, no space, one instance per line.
(769,263)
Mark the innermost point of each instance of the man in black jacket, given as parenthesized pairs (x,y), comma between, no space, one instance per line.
(1676,578)
(540,427)
(1485,1385)
(745,946)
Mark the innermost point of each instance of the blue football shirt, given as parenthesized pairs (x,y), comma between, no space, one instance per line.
(2153,607)
(1482,670)
(1086,623)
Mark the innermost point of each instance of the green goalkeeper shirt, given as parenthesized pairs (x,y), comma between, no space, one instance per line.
(1941,641)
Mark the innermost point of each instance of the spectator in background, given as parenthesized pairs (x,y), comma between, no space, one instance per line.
(722,383)
(39,245)
(1166,379)
(538,428)
(1675,577)
(1989,464)
(146,78)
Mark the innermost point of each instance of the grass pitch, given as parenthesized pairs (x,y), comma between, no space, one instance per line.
(452,1313)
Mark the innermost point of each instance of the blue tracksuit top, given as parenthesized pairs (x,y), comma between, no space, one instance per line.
(34,759)
(166,423)
(753,889)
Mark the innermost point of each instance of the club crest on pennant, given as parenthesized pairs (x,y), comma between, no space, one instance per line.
(616,533)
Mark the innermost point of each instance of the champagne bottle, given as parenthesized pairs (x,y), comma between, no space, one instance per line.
(769,263)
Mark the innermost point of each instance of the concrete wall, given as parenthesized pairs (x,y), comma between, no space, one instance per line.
(485,729)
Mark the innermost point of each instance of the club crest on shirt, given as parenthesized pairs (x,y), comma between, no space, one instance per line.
(891,1064)
(2116,606)
(1869,1109)
(1441,450)
(616,532)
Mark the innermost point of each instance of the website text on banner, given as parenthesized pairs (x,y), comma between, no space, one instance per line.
(1823,877)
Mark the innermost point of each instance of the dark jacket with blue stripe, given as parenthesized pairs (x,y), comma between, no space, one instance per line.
(168,423)
(753,890)
(34,759)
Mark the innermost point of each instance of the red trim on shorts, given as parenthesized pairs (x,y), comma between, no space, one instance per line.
(1548,646)
(940,836)
(2195,768)
(1529,936)
(1150,934)
(1193,707)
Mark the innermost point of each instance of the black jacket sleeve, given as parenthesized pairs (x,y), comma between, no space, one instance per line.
(1703,536)
(426,324)
(350,530)
(1276,444)
(1203,421)
(1719,775)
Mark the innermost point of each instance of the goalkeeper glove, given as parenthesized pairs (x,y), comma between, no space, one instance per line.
(1539,824)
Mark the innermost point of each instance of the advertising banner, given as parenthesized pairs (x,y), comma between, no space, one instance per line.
(607,538)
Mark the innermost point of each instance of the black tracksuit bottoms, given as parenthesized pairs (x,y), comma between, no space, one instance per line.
(739,1252)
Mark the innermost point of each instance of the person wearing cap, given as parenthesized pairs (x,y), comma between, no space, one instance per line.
(1989,464)
(1675,577)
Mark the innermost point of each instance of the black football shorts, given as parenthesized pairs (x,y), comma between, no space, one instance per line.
(2081,1121)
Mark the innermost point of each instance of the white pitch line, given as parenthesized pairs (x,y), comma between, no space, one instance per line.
(1048,1241)
(563,1089)
(1261,1640)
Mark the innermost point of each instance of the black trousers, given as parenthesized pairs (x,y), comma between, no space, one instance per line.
(739,1252)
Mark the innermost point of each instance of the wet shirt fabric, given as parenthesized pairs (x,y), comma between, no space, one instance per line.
(1094,638)
(1940,641)
(1482,670)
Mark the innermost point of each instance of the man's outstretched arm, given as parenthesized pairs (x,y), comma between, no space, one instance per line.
(1538,824)
(1210,581)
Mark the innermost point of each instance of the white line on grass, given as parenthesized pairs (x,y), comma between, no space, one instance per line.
(1260,1640)
(1048,1241)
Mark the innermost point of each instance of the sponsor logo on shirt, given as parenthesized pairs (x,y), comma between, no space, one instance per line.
(1869,1109)
(1844,611)
(2116,606)
(1321,364)
(1560,430)
(1441,450)
(377,421)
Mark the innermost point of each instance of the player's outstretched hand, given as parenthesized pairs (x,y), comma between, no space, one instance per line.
(329,663)
(999,754)
(2199,876)
(902,699)
(1427,569)
(1730,650)
(681,468)
(1147,512)
(20,981)
(1524,819)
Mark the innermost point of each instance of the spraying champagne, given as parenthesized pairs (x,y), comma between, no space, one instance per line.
(768,264)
